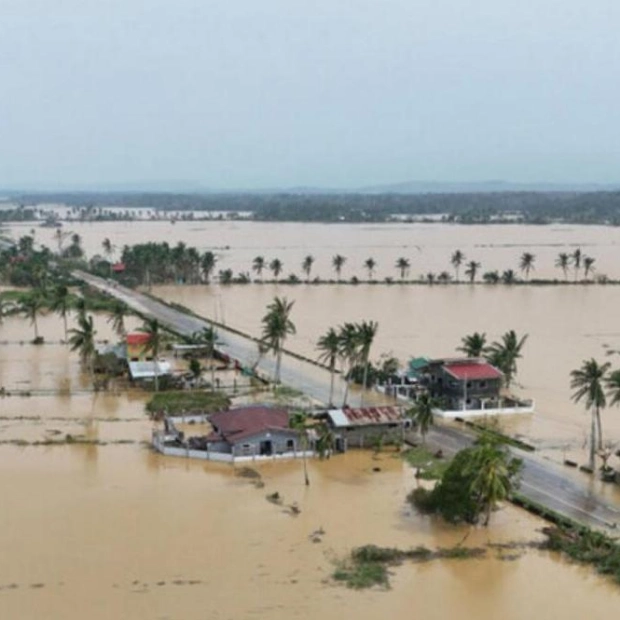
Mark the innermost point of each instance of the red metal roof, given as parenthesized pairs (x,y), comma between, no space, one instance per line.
(136,339)
(236,424)
(118,267)
(473,370)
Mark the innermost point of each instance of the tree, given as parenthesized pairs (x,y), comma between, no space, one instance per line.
(153,345)
(277,325)
(117,317)
(207,265)
(563,262)
(527,263)
(491,277)
(403,264)
(276,267)
(195,368)
(32,306)
(422,413)
(370,264)
(577,255)
(61,303)
(504,354)
(457,260)
(108,250)
(473,345)
(472,270)
(258,264)
(329,345)
(209,337)
(82,339)
(588,266)
(348,336)
(588,382)
(366,332)
(509,277)
(299,422)
(306,266)
(338,262)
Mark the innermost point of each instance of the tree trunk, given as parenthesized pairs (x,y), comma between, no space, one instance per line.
(64,318)
(212,371)
(36,327)
(331,385)
(599,430)
(278,365)
(592,462)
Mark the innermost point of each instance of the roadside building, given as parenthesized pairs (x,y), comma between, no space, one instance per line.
(137,347)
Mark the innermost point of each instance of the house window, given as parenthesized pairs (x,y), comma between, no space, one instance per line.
(483,384)
(246,448)
(290,445)
(469,384)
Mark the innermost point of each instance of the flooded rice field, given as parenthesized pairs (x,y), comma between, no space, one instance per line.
(109,529)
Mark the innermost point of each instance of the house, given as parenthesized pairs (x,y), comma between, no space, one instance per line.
(137,347)
(365,427)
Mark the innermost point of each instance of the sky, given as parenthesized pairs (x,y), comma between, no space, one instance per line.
(249,94)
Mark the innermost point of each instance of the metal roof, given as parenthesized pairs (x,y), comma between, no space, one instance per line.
(148,370)
(474,370)
(364,416)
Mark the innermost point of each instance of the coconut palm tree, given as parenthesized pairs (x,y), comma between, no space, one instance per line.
(504,354)
(277,325)
(329,346)
(588,266)
(473,345)
(588,382)
(370,264)
(154,344)
(527,263)
(577,256)
(366,332)
(422,413)
(457,260)
(613,387)
(338,262)
(61,303)
(299,422)
(306,266)
(207,265)
(563,262)
(258,264)
(32,306)
(117,317)
(403,264)
(108,250)
(472,270)
(82,339)
(509,277)
(208,337)
(348,336)
(276,267)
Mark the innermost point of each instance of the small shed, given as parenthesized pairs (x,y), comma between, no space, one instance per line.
(148,370)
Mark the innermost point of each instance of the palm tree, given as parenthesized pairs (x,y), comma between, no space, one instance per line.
(563,262)
(457,260)
(348,336)
(258,264)
(207,264)
(366,332)
(422,413)
(209,337)
(504,354)
(588,266)
(403,264)
(32,306)
(329,345)
(577,261)
(82,339)
(338,262)
(491,277)
(276,267)
(153,345)
(370,264)
(587,382)
(472,270)
(277,325)
(306,266)
(298,422)
(61,303)
(108,250)
(117,317)
(473,345)
(527,263)
(509,277)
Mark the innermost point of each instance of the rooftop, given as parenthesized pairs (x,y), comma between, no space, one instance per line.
(137,338)
(236,424)
(364,416)
(472,369)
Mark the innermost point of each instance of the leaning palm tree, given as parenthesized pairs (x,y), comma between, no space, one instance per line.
(329,345)
(472,270)
(154,344)
(277,325)
(457,260)
(366,332)
(61,303)
(32,306)
(306,266)
(299,422)
(473,345)
(403,264)
(338,262)
(258,265)
(505,353)
(117,317)
(526,263)
(276,267)
(588,266)
(82,339)
(348,335)
(370,264)
(422,413)
(588,382)
(563,262)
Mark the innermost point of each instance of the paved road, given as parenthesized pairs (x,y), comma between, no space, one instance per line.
(566,492)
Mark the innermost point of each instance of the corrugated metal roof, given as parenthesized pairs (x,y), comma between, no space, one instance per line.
(364,416)
(146,370)
(475,370)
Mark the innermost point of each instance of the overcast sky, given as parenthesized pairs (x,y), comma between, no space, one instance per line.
(333,93)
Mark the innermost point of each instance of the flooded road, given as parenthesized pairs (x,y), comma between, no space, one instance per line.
(113,530)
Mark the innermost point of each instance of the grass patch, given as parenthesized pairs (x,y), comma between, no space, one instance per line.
(361,575)
(428,466)
(187,402)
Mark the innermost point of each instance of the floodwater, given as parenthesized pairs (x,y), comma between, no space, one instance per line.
(113,530)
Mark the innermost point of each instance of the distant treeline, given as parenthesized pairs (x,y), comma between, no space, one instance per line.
(601,207)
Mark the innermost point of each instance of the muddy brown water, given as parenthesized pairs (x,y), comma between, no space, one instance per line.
(113,530)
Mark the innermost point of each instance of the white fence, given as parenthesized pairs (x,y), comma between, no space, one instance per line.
(523,407)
